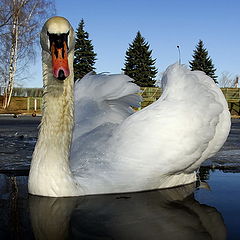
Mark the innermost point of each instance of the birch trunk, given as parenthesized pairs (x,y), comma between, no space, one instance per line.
(21,21)
(13,61)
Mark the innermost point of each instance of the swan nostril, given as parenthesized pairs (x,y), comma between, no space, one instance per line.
(61,75)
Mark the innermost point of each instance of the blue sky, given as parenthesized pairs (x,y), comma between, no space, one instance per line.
(113,24)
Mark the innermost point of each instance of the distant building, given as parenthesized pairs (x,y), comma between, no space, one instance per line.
(236,82)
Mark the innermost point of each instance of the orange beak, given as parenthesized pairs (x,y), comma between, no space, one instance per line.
(60,61)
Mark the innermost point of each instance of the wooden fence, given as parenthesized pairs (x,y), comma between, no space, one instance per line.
(20,105)
(232,95)
(150,94)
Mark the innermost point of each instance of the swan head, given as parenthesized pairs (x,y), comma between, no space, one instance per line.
(57,39)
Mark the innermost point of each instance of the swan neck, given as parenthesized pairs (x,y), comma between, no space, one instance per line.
(50,174)
(57,119)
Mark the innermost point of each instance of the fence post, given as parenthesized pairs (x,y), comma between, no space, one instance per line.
(35,104)
(28,103)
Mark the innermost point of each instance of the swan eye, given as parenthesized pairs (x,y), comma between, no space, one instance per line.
(48,41)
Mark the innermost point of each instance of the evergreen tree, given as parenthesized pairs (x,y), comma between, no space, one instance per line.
(85,57)
(201,61)
(139,64)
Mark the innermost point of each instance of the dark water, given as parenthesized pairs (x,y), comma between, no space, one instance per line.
(224,195)
(179,213)
(208,211)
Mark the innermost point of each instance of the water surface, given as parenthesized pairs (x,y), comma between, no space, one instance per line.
(180,213)
(210,211)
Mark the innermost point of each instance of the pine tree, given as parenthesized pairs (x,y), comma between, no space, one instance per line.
(85,57)
(139,64)
(201,61)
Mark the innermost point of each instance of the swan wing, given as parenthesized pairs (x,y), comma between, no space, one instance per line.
(188,124)
(102,99)
(101,103)
(159,146)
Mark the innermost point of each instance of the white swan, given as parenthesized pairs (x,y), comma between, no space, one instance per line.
(112,150)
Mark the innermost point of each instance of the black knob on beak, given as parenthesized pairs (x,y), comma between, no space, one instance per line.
(61,75)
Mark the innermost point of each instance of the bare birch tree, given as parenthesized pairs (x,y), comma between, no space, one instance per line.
(227,80)
(20,23)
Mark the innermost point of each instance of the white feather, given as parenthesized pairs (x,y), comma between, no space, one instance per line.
(159,146)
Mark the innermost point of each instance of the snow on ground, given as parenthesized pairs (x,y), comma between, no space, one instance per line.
(229,155)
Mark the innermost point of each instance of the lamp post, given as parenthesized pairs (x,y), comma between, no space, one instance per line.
(179,55)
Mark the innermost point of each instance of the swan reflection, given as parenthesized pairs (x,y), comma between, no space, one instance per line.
(164,214)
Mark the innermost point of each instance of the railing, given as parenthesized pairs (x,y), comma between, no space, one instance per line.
(232,95)
(19,105)
(149,94)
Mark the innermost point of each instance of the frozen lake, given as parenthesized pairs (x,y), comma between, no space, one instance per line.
(210,211)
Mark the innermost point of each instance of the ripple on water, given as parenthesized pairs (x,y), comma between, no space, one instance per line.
(16,152)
